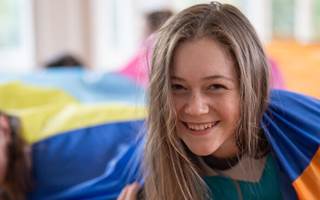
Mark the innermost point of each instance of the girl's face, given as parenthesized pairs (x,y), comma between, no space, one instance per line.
(206,97)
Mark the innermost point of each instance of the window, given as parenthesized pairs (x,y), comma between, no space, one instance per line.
(283,18)
(316,15)
(16,38)
(115,32)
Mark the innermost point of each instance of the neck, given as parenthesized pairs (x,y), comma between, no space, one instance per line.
(227,150)
(217,163)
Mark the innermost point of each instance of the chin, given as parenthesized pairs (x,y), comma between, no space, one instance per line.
(201,151)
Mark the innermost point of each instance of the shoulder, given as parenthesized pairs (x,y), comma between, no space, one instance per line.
(291,125)
(293,105)
(293,113)
(291,98)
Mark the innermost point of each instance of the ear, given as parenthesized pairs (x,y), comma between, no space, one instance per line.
(5,130)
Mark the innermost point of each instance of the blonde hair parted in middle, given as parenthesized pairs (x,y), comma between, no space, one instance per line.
(171,173)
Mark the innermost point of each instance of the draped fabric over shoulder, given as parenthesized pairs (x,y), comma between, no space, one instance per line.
(292,126)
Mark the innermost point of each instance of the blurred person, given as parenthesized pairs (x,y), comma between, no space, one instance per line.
(64,60)
(137,67)
(277,80)
(15,165)
(155,19)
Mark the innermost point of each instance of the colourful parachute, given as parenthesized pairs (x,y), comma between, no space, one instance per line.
(90,147)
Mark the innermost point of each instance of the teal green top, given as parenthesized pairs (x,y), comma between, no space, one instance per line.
(265,189)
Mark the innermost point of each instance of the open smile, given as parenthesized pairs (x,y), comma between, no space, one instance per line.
(200,126)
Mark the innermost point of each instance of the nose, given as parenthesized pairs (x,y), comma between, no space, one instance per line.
(196,105)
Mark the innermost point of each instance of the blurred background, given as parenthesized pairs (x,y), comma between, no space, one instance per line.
(103,35)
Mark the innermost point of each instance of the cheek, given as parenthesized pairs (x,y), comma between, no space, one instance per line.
(230,110)
(178,103)
(234,110)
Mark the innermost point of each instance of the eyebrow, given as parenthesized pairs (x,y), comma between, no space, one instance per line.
(205,78)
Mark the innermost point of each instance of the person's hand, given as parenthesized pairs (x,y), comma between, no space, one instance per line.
(129,192)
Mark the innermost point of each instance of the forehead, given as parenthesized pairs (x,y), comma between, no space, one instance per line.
(202,57)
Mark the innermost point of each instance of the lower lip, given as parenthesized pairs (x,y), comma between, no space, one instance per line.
(201,132)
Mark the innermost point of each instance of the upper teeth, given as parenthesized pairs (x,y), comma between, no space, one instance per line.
(200,127)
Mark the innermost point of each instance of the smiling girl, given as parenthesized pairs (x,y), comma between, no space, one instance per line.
(209,89)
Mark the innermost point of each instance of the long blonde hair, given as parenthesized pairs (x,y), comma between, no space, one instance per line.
(171,173)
